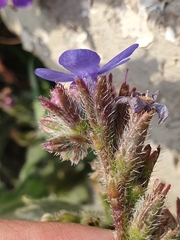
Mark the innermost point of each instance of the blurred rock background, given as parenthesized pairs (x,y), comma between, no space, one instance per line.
(48,28)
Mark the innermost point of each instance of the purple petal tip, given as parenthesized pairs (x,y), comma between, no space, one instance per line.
(22,3)
(53,75)
(3,3)
(118,60)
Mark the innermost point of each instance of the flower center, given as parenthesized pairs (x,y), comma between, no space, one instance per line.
(146,98)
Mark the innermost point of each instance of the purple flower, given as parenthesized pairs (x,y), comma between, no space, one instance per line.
(16,3)
(141,101)
(83,63)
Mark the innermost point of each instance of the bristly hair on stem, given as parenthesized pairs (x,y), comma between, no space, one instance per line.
(114,124)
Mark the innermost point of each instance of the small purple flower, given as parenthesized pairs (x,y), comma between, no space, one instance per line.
(139,101)
(16,3)
(83,63)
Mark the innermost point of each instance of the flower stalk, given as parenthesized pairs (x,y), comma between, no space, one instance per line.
(115,125)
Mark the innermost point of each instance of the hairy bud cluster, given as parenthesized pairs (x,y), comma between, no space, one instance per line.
(115,125)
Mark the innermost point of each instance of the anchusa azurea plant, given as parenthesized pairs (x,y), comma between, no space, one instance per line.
(92,113)
(16,3)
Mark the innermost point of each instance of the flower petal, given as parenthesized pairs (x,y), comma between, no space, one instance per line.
(155,95)
(121,58)
(80,62)
(162,111)
(21,3)
(3,3)
(137,104)
(53,76)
